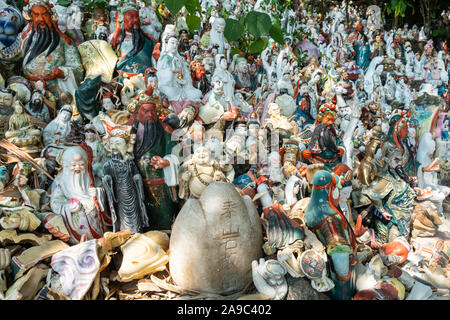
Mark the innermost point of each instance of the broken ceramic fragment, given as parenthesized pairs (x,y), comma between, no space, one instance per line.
(26,287)
(77,267)
(19,218)
(268,278)
(141,256)
(28,258)
(11,236)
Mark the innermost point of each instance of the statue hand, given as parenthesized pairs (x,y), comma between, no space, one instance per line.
(58,73)
(159,163)
(92,192)
(306,154)
(74,205)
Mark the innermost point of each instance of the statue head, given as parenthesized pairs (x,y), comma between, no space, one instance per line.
(219,26)
(65,114)
(121,142)
(37,101)
(202,155)
(221,61)
(18,108)
(11,21)
(6,97)
(147,112)
(75,160)
(131,20)
(172,44)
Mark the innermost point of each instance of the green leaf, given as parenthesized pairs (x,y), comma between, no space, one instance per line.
(192,6)
(258,24)
(258,45)
(234,51)
(193,22)
(276,33)
(174,5)
(233,29)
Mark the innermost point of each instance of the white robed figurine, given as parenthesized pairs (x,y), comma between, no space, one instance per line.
(73,197)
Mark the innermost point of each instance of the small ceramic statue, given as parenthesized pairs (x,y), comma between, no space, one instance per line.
(133,46)
(325,146)
(99,19)
(56,132)
(242,75)
(215,37)
(123,183)
(92,139)
(37,108)
(221,73)
(21,131)
(277,121)
(7,97)
(74,21)
(198,172)
(75,198)
(174,77)
(333,230)
(149,20)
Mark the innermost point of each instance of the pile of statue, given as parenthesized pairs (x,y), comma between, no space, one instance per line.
(136,150)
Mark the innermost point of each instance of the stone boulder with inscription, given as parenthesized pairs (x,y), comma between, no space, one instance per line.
(214,240)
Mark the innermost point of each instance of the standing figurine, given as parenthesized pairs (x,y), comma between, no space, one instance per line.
(123,183)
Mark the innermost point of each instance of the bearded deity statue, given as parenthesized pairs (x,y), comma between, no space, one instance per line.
(156,163)
(75,198)
(174,77)
(49,55)
(123,183)
(133,46)
(215,38)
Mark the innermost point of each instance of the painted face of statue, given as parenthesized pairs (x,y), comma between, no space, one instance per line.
(223,63)
(147,112)
(202,156)
(65,116)
(253,129)
(131,20)
(6,99)
(172,45)
(118,146)
(78,164)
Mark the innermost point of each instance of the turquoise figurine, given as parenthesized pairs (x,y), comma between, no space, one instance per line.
(333,230)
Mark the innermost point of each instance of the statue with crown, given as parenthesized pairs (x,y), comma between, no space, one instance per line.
(133,46)
(49,56)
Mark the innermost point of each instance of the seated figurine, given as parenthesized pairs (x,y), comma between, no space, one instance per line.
(197,173)
(21,131)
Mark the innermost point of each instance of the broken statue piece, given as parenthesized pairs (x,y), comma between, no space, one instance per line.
(77,267)
(19,218)
(268,278)
(141,256)
(26,287)
(28,258)
(214,240)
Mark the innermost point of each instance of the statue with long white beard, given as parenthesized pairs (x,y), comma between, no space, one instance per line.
(215,37)
(75,198)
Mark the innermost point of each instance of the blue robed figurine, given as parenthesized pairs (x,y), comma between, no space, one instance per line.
(133,46)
